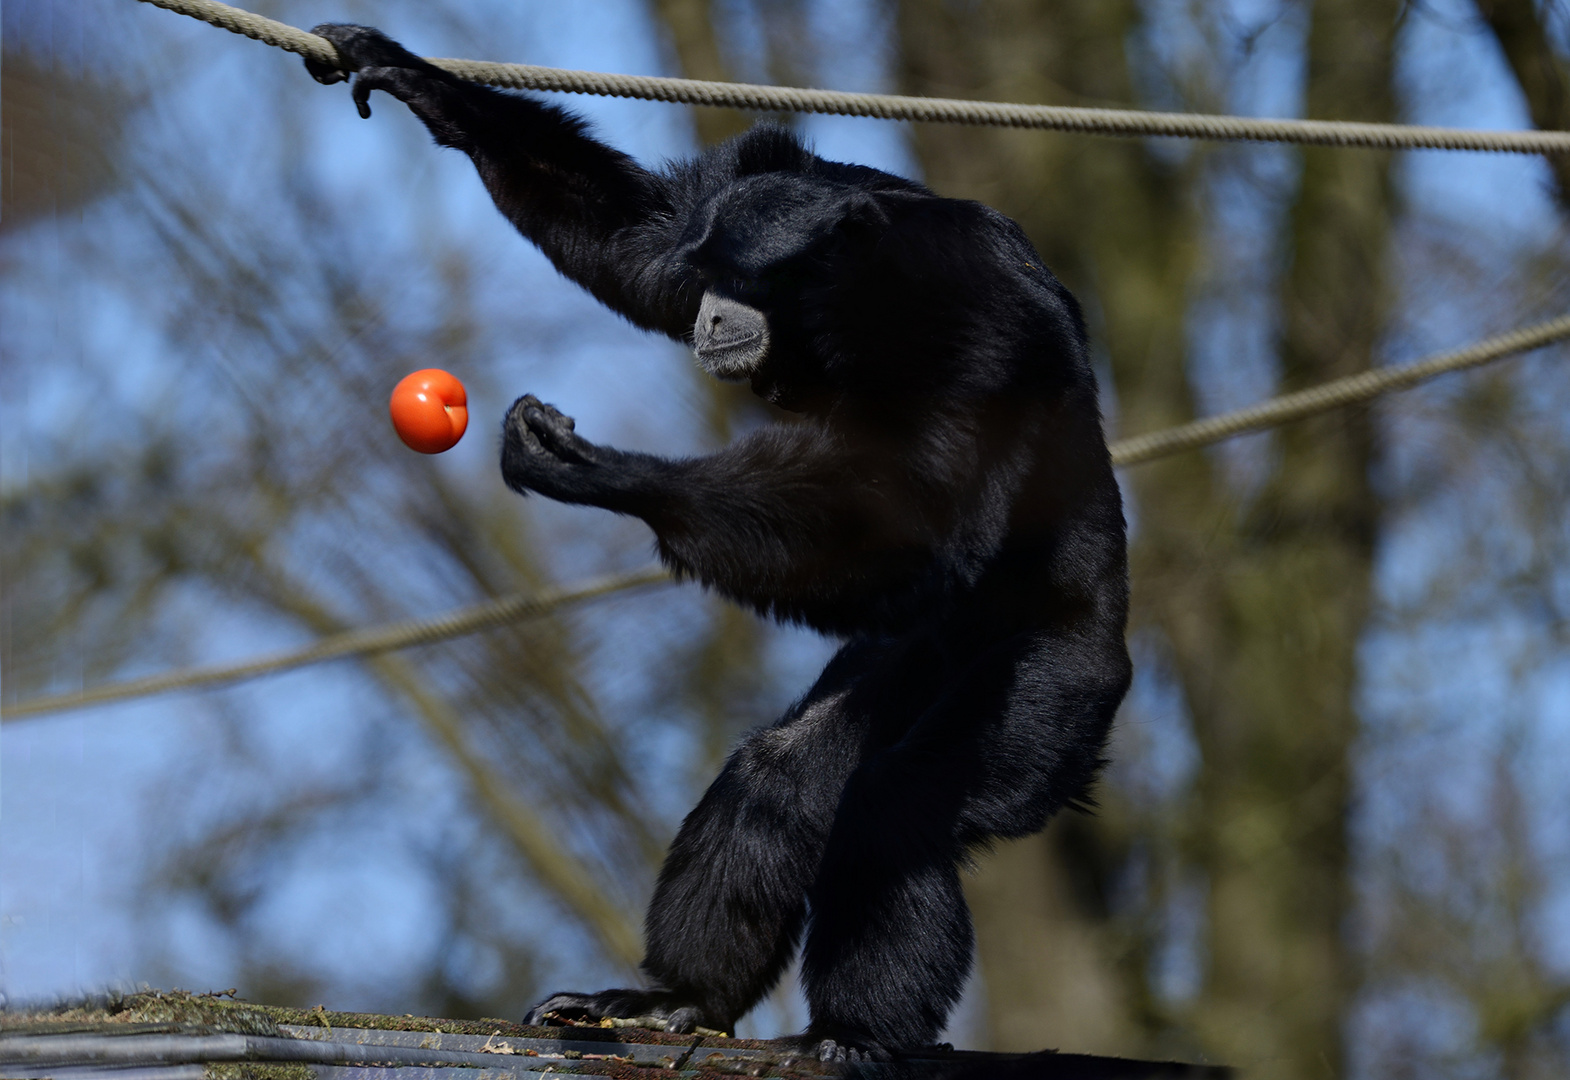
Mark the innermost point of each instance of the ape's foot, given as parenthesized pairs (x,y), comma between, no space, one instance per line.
(839,1046)
(659,1010)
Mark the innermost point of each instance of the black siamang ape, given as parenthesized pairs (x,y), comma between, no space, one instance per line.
(945,505)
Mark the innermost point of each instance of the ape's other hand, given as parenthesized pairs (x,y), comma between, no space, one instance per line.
(379,63)
(541,452)
(359,47)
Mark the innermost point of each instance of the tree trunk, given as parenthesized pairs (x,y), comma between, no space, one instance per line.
(1521,28)
(1117,227)
(1272,677)
(1263,609)
(1045,948)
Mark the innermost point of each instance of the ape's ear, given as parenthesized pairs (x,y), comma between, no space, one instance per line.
(864,215)
(862,222)
(759,222)
(844,221)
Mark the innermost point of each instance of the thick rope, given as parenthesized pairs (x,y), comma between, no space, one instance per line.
(376,639)
(1336,394)
(894,107)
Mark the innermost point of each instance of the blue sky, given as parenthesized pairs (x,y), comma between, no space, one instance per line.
(80,793)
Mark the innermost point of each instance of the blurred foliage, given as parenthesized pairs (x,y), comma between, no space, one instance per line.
(1252,567)
(1333,839)
(58,136)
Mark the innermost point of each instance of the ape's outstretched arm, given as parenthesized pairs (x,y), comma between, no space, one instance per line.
(788,520)
(598,215)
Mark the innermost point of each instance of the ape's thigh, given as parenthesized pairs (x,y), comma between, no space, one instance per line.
(728,906)
(1015,733)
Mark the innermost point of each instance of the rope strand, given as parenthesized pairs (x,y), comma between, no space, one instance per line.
(1120,122)
(1351,390)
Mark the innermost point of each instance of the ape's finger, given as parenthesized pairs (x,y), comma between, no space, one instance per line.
(326,74)
(555,433)
(363,85)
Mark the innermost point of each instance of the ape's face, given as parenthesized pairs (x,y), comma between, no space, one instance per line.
(763,247)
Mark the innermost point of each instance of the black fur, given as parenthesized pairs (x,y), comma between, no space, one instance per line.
(946,505)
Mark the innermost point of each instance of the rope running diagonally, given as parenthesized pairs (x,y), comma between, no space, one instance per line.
(375,639)
(894,107)
(1353,389)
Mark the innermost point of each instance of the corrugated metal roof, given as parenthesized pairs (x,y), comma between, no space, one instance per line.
(179,1036)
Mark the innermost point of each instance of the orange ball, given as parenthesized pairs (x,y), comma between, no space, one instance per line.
(429,411)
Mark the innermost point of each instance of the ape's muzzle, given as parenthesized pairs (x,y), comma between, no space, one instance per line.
(730,338)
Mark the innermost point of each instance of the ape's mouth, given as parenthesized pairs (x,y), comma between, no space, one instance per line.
(719,346)
(734,359)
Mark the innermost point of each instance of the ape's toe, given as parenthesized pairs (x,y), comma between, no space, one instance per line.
(658,1010)
(682,1021)
(556,1009)
(837,1048)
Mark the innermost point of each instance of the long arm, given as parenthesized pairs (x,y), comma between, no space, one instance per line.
(601,218)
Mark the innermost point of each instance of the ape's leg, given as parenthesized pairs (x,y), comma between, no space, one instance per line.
(728,908)
(1015,737)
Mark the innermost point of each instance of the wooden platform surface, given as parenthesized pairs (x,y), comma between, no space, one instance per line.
(180,1036)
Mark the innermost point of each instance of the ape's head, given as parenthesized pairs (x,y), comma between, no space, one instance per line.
(774,251)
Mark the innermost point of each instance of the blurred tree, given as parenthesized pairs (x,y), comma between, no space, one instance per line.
(1272,679)
(1118,226)
(1522,30)
(495,771)
(1260,601)
(59,137)
(109,555)
(277,515)
(690,24)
